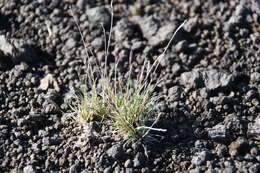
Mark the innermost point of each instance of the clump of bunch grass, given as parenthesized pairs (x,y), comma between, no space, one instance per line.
(127,105)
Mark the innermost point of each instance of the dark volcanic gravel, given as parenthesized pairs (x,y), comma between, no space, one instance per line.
(210,89)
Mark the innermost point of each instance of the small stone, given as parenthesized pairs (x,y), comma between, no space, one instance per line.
(192,79)
(234,124)
(229,169)
(163,34)
(23,66)
(108,170)
(62,161)
(47,82)
(253,130)
(254,151)
(254,168)
(176,69)
(255,7)
(124,29)
(149,26)
(238,147)
(129,170)
(117,169)
(41,1)
(99,15)
(219,133)
(138,45)
(139,160)
(97,43)
(5,47)
(215,80)
(116,152)
(201,144)
(241,10)
(29,169)
(204,92)
(200,158)
(222,150)
(19,50)
(175,93)
(255,77)
(74,169)
(70,43)
(181,46)
(190,25)
(196,170)
(128,163)
(21,122)
(16,170)
(81,4)
(50,141)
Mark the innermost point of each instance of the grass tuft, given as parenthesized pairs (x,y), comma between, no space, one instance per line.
(127,105)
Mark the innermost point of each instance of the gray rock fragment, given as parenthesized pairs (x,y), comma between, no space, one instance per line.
(254,168)
(16,170)
(81,4)
(200,158)
(181,46)
(234,124)
(163,34)
(219,133)
(17,50)
(124,29)
(74,168)
(70,43)
(255,7)
(115,152)
(129,170)
(149,26)
(98,43)
(5,46)
(49,81)
(192,79)
(195,170)
(190,25)
(214,79)
(128,163)
(229,169)
(108,170)
(139,160)
(253,130)
(211,79)
(255,77)
(29,169)
(99,15)
(239,146)
(221,150)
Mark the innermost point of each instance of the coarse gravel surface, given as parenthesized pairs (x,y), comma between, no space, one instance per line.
(209,93)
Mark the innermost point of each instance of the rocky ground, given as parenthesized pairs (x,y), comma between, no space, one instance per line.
(210,101)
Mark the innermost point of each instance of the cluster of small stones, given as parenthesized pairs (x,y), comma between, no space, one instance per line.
(209,91)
